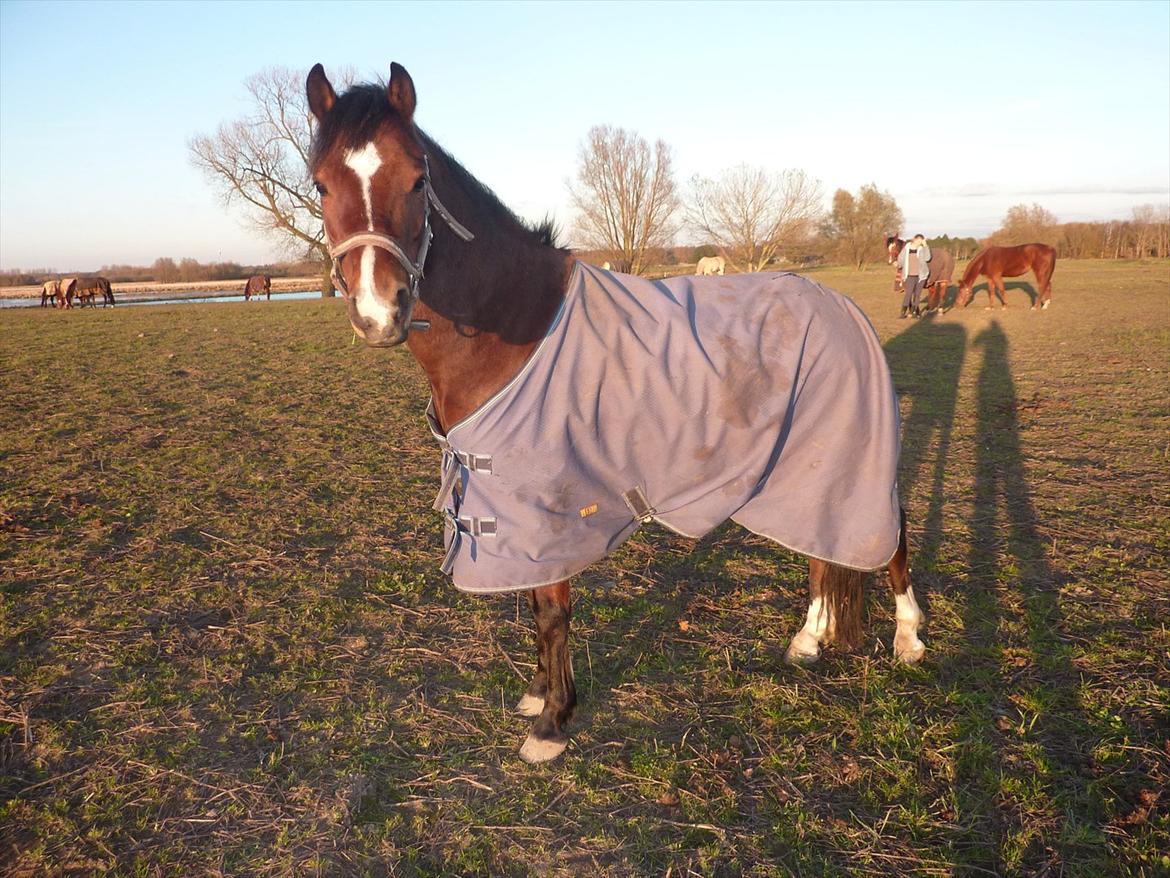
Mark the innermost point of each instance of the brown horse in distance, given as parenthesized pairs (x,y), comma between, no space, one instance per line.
(257,284)
(996,263)
(85,290)
(942,270)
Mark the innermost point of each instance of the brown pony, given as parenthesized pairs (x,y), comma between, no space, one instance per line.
(1000,262)
(487,301)
(942,270)
(257,284)
(87,288)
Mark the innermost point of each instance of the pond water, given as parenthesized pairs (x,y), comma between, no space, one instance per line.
(180,300)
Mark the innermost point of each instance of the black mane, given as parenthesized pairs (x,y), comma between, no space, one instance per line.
(354,121)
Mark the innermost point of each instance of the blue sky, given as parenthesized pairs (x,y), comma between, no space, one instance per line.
(931,102)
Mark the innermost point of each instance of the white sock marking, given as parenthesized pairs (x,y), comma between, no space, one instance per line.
(807,642)
(529,705)
(907,646)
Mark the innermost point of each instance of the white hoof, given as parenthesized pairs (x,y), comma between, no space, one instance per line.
(909,651)
(530,705)
(804,650)
(536,750)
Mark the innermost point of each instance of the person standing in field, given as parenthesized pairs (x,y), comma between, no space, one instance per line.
(914,262)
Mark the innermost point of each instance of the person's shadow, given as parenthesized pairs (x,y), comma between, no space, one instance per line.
(1021,721)
(926,362)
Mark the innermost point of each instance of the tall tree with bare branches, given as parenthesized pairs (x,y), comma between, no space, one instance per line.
(625,195)
(261,162)
(753,215)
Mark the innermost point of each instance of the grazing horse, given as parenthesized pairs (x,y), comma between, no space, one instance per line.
(1000,262)
(942,271)
(49,292)
(572,404)
(87,289)
(65,292)
(257,284)
(710,265)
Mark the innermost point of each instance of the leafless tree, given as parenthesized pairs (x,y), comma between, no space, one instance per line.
(1027,224)
(858,225)
(261,162)
(753,214)
(1151,223)
(625,195)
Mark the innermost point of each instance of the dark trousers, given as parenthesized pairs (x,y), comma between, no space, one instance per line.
(914,285)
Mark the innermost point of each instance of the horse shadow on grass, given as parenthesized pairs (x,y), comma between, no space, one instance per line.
(982,292)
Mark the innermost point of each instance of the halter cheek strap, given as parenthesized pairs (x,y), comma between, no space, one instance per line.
(414,267)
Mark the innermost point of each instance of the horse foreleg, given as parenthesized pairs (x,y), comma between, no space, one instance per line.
(834,611)
(531,703)
(805,647)
(907,646)
(551,608)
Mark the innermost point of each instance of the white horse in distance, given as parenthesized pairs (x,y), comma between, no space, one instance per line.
(711,265)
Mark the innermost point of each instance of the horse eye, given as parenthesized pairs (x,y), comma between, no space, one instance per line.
(419,184)
(320,187)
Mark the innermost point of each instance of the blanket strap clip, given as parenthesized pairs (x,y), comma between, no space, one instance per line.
(636,499)
(476,526)
(476,463)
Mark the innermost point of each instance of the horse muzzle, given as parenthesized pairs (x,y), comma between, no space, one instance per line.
(379,334)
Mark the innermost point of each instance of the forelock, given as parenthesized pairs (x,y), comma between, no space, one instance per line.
(354,120)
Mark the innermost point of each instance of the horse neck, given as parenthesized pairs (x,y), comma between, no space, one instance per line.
(973,271)
(489,301)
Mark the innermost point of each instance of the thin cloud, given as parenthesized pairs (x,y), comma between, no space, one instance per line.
(989,190)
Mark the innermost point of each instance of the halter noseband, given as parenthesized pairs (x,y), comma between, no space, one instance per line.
(414,268)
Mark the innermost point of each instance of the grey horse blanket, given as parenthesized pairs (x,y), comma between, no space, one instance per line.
(764,398)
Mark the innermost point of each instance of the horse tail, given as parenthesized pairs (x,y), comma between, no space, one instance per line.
(841,591)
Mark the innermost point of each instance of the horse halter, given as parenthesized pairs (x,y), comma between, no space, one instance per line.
(414,268)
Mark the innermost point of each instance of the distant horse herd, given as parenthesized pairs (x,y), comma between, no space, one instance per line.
(84,290)
(62,293)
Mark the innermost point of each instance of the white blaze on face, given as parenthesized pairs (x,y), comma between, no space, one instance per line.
(365,162)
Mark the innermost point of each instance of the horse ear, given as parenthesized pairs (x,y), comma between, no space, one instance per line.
(320,93)
(400,91)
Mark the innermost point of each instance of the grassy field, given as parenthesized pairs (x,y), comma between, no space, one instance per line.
(226,647)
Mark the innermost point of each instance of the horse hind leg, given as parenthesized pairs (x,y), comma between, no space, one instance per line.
(547,740)
(1045,295)
(834,611)
(907,615)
